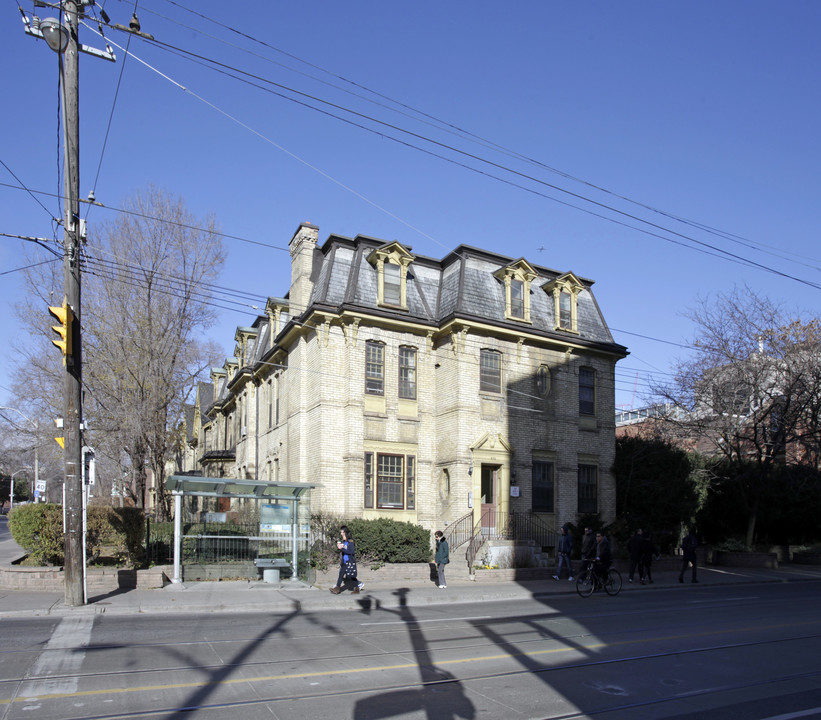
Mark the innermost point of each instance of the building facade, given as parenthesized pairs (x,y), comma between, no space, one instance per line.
(419,389)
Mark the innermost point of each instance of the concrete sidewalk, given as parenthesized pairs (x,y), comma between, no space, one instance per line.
(289,596)
(294,596)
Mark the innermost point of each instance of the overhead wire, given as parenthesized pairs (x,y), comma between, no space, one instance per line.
(450,127)
(711,249)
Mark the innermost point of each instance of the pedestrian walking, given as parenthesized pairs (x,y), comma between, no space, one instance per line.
(347,563)
(688,551)
(442,557)
(564,549)
(634,546)
(648,553)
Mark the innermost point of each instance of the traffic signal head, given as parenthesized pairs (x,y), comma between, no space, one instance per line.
(65,316)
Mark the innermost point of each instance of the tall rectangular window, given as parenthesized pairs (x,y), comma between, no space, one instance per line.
(543,486)
(410,485)
(270,403)
(390,484)
(407,373)
(368,480)
(565,311)
(374,368)
(490,371)
(517,298)
(587,391)
(588,489)
(392,284)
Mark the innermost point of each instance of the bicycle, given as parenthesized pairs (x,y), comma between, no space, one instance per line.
(588,582)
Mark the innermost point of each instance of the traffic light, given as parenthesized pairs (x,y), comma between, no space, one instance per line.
(66,317)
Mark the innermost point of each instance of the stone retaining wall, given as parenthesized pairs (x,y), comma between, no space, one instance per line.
(98,580)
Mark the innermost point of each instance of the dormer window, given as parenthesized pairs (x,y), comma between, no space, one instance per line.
(565,291)
(517,278)
(392,283)
(391,262)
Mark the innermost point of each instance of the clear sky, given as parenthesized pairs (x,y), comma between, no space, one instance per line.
(577,135)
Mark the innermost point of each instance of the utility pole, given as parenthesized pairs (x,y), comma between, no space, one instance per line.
(62,36)
(74,567)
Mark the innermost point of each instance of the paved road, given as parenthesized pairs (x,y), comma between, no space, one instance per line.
(749,652)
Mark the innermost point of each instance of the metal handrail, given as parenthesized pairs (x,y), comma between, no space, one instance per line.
(519,526)
(460,531)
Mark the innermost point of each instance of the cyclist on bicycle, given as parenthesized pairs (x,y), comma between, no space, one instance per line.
(588,548)
(603,557)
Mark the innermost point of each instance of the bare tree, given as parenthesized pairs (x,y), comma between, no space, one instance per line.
(146,283)
(752,393)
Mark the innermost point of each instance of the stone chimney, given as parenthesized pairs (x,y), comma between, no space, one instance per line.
(303,251)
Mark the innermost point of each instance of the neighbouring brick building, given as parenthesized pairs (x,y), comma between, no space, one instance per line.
(419,389)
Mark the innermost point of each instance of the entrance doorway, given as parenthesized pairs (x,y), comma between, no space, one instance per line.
(489,490)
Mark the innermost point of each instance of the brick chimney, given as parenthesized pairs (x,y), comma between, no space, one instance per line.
(303,252)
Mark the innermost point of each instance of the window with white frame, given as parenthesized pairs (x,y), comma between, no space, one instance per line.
(392,288)
(407,373)
(374,368)
(490,371)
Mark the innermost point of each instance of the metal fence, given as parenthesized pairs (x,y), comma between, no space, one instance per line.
(209,543)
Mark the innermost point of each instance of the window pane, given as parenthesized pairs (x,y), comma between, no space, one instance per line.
(490,371)
(389,485)
(517,298)
(588,489)
(368,480)
(543,487)
(392,289)
(411,504)
(587,391)
(407,373)
(374,368)
(565,311)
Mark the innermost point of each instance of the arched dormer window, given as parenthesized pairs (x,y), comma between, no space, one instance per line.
(517,278)
(391,262)
(565,290)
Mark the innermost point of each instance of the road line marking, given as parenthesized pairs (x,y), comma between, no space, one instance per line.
(419,622)
(69,640)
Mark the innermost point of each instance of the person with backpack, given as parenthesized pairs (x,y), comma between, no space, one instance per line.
(688,551)
(347,563)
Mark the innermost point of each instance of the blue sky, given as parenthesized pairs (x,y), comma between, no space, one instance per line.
(585,118)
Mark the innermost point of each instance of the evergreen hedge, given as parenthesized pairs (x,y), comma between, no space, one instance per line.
(38,529)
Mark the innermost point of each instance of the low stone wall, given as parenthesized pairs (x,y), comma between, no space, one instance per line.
(98,580)
(806,558)
(745,559)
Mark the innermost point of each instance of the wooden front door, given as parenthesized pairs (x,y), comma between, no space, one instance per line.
(490,478)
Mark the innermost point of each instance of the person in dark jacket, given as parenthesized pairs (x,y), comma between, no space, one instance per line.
(688,552)
(564,549)
(442,557)
(634,546)
(603,556)
(588,547)
(347,563)
(648,552)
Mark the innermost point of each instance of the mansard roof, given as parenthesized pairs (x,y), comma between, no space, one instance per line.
(468,283)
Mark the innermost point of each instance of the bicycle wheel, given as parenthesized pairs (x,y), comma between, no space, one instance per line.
(613,584)
(584,583)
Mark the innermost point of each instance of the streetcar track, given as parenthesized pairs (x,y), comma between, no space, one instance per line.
(411,653)
(704,692)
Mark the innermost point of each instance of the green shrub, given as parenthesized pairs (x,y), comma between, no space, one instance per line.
(731,545)
(38,529)
(120,531)
(378,541)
